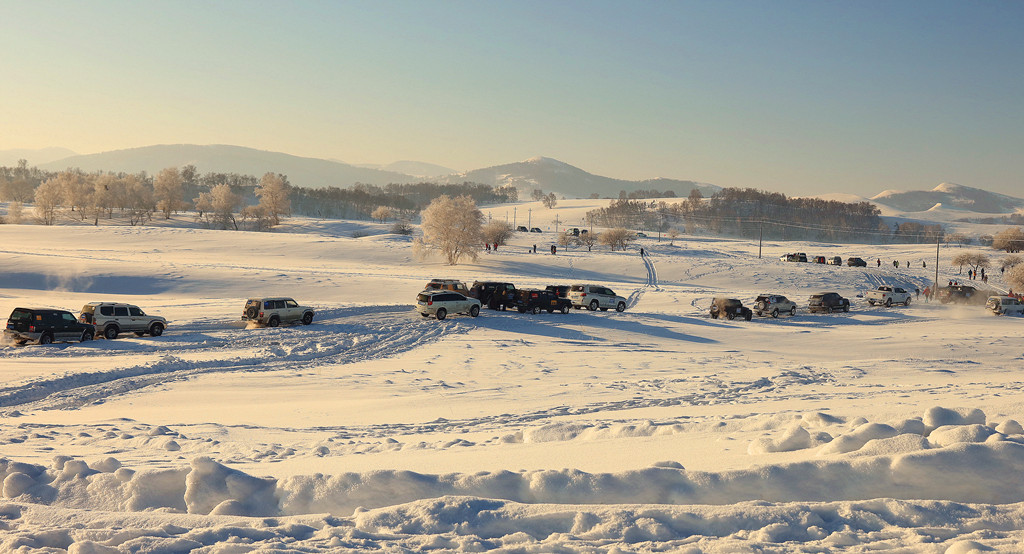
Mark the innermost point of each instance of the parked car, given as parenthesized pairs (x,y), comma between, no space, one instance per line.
(560,290)
(594,297)
(818,259)
(827,302)
(856,262)
(729,308)
(275,311)
(448,284)
(533,301)
(795,257)
(889,295)
(834,260)
(114,318)
(1004,305)
(773,305)
(641,235)
(535,230)
(522,229)
(46,325)
(575,231)
(496,295)
(961,294)
(440,303)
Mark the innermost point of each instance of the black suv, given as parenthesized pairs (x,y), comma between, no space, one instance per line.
(534,301)
(961,294)
(45,325)
(494,294)
(827,302)
(856,262)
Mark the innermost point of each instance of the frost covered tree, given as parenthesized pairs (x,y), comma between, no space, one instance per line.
(452,226)
(75,190)
(169,191)
(47,200)
(1010,240)
(976,260)
(139,202)
(1015,277)
(273,192)
(14,212)
(616,238)
(497,232)
(382,214)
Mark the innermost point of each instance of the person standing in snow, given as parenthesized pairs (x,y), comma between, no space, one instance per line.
(879,262)
(641,252)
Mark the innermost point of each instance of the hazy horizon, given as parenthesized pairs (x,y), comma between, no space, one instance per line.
(797,97)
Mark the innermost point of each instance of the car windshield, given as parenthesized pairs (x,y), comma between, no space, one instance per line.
(21,315)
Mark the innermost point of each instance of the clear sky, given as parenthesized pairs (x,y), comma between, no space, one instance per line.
(796,97)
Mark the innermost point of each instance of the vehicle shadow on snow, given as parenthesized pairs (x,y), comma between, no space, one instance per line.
(98,284)
(558,274)
(578,325)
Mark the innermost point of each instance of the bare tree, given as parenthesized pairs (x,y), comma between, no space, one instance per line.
(1012,260)
(588,240)
(273,192)
(169,191)
(1015,277)
(402,227)
(47,200)
(975,260)
(1010,240)
(453,226)
(382,214)
(497,232)
(537,194)
(673,234)
(616,238)
(549,201)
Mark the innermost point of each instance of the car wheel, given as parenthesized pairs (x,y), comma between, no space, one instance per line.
(110,333)
(792,311)
(307,318)
(730,315)
(565,308)
(846,307)
(714,314)
(250,312)
(474,310)
(441,314)
(46,338)
(593,306)
(535,310)
(907,303)
(888,302)
(828,309)
(156,330)
(620,307)
(747,315)
(273,322)
(775,312)
(86,335)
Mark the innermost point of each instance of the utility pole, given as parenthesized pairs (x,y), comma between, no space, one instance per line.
(556,224)
(529,219)
(935,288)
(760,235)
(514,216)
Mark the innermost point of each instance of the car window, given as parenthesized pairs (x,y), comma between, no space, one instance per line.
(120,311)
(107,310)
(422,297)
(268,305)
(135,311)
(279,304)
(21,315)
(68,317)
(291,303)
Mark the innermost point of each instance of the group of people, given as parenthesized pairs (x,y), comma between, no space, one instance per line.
(896,263)
(973,274)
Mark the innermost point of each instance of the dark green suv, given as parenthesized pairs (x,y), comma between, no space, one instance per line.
(46,325)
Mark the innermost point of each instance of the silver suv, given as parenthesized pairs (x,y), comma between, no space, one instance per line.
(440,303)
(593,297)
(275,311)
(773,305)
(113,318)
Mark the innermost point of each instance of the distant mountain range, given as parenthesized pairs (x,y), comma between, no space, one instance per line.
(38,157)
(952,197)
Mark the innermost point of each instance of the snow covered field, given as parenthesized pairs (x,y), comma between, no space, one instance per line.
(656,429)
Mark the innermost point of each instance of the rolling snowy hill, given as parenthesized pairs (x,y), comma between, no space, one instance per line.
(951,197)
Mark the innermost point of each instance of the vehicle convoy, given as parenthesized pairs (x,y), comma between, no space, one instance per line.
(113,318)
(496,295)
(1004,305)
(275,311)
(961,294)
(773,305)
(533,301)
(440,303)
(827,302)
(888,296)
(729,308)
(46,325)
(594,297)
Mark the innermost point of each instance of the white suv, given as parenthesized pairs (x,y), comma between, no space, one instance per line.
(275,311)
(440,303)
(1004,305)
(593,297)
(114,318)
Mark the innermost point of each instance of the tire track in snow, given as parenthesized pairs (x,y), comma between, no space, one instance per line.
(284,348)
(652,282)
